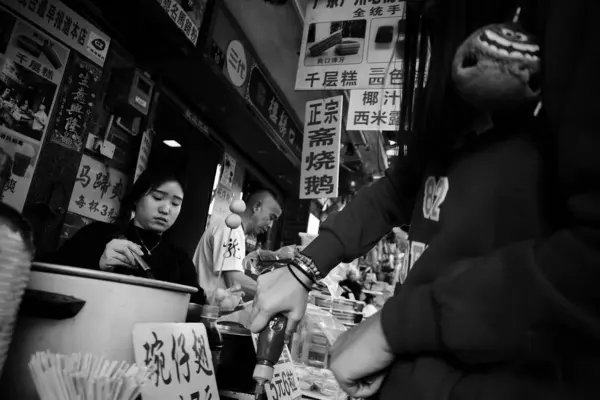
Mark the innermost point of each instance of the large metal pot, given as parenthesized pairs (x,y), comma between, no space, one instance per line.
(111,305)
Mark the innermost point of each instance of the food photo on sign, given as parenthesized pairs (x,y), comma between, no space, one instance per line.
(340,42)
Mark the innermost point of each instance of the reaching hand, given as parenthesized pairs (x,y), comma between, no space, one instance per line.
(119,252)
(360,357)
(279,292)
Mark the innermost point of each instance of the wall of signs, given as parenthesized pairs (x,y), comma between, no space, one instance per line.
(352,44)
(181,357)
(98,191)
(374,110)
(320,170)
(65,25)
(31,70)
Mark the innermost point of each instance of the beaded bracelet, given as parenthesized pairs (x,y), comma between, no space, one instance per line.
(298,279)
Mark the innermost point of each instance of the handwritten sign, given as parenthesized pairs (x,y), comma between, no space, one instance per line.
(144,154)
(352,45)
(284,385)
(98,191)
(373,110)
(181,355)
(75,110)
(320,170)
(66,25)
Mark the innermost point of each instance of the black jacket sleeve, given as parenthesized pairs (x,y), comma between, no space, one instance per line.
(85,248)
(371,214)
(492,308)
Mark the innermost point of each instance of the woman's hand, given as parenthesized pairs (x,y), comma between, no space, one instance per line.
(119,252)
(279,292)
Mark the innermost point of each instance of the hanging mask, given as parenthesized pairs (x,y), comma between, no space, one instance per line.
(498,68)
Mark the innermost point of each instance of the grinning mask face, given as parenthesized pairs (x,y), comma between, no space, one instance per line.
(498,68)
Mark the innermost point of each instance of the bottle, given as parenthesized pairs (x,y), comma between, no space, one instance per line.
(268,350)
(209,317)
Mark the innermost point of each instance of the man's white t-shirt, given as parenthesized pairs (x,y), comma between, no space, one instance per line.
(220,248)
(41,121)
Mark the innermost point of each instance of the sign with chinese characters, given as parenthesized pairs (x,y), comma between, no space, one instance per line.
(181,356)
(319,173)
(352,44)
(98,191)
(144,154)
(65,25)
(237,67)
(75,109)
(195,121)
(31,70)
(284,385)
(374,110)
(268,105)
(228,171)
(180,17)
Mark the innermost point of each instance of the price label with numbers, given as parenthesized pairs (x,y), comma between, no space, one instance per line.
(181,356)
(284,385)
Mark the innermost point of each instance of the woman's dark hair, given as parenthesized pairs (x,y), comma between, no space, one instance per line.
(15,221)
(146,183)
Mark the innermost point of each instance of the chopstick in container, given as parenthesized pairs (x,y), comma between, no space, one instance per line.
(87,377)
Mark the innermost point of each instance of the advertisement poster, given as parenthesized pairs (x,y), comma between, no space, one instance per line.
(98,191)
(75,109)
(320,170)
(374,110)
(352,45)
(31,70)
(65,25)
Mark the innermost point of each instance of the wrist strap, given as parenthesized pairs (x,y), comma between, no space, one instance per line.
(298,279)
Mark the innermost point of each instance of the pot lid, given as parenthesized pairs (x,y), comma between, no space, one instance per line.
(109,276)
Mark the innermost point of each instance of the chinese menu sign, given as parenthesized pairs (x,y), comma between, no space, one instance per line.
(188,24)
(98,191)
(182,359)
(374,110)
(284,385)
(265,101)
(352,44)
(64,24)
(319,174)
(75,110)
(31,70)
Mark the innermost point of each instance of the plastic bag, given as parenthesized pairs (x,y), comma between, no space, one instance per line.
(315,335)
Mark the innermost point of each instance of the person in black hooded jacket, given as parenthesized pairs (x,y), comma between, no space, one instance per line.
(500,298)
(147,212)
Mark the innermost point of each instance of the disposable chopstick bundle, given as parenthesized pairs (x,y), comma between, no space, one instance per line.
(86,377)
